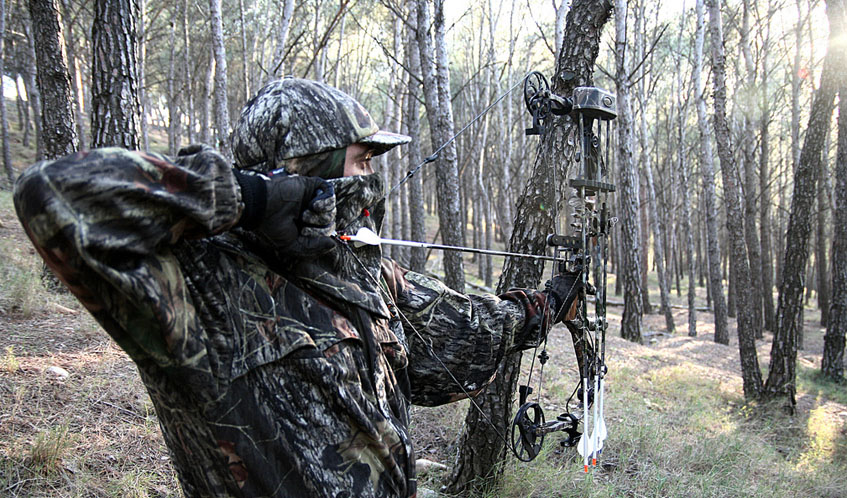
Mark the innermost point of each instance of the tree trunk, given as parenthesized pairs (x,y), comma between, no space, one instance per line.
(782,377)
(713,253)
(115,109)
(143,101)
(439,112)
(628,186)
(4,122)
(482,445)
(245,57)
(23,108)
(832,363)
(768,313)
(417,214)
(33,95)
(820,234)
(206,102)
(189,76)
(795,91)
(644,242)
(658,242)
(172,96)
(281,37)
(750,197)
(752,377)
(682,164)
(57,116)
(76,80)
(221,98)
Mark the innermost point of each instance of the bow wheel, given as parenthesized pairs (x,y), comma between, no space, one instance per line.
(526,436)
(535,92)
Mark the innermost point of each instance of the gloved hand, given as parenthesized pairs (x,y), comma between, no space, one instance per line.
(296,214)
(561,292)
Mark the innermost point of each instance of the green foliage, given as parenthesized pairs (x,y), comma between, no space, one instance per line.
(811,381)
(49,448)
(674,432)
(9,363)
(19,273)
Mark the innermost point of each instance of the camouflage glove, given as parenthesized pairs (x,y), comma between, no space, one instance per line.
(561,292)
(296,214)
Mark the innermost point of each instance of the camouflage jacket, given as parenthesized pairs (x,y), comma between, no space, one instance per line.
(270,377)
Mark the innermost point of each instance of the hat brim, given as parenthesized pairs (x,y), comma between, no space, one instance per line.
(383,141)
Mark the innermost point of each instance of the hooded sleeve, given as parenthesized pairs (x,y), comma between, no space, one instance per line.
(457,335)
(105,222)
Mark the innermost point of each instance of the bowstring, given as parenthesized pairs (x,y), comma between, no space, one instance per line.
(434,156)
(547,321)
(387,295)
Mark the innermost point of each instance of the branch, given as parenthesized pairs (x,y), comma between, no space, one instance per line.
(327,33)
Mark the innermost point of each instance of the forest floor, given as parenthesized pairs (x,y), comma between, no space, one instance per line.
(75,419)
(678,424)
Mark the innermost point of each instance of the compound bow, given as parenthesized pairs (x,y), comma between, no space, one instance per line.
(590,107)
(591,223)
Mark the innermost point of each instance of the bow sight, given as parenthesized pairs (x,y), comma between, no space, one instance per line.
(589,108)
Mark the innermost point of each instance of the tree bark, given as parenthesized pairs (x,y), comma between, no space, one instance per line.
(482,446)
(768,312)
(115,109)
(832,363)
(749,157)
(628,186)
(823,204)
(189,75)
(439,112)
(33,95)
(417,215)
(4,122)
(685,173)
(281,36)
(782,377)
(644,242)
(23,108)
(221,98)
(751,376)
(57,116)
(76,80)
(713,254)
(658,243)
(245,57)
(143,101)
(206,102)
(172,96)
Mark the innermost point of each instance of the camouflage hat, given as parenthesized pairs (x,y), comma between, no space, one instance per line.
(294,117)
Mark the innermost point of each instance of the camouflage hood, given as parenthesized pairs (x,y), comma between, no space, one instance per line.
(295,118)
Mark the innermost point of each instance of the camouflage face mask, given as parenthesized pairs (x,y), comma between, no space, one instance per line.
(359,203)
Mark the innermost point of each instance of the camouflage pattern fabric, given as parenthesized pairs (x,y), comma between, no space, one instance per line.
(293,118)
(270,376)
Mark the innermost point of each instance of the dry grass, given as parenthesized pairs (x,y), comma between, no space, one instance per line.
(677,420)
(678,423)
(93,433)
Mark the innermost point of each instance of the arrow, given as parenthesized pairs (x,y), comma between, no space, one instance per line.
(601,421)
(367,237)
(586,444)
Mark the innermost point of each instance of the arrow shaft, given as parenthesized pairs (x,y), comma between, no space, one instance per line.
(412,243)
